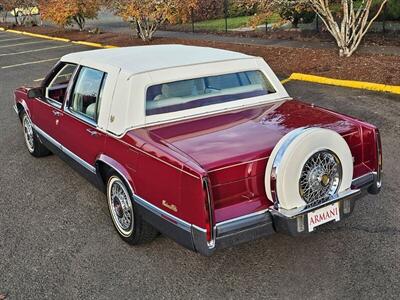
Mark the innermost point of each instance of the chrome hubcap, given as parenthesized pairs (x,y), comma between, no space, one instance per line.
(120,206)
(320,177)
(28,133)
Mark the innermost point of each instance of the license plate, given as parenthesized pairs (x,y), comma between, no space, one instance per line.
(323,215)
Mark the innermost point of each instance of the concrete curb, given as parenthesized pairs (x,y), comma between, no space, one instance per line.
(377,87)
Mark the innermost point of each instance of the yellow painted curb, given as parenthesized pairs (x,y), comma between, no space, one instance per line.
(88,44)
(42,36)
(45,37)
(377,87)
(13,31)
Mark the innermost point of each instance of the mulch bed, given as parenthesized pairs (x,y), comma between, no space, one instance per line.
(377,68)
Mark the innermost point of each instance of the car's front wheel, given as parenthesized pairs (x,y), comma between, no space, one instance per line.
(127,221)
(32,142)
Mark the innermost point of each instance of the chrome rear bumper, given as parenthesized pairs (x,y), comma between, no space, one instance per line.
(269,221)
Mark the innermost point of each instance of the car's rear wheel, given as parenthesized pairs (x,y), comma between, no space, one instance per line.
(127,221)
(32,142)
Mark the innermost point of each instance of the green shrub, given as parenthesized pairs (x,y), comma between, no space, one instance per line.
(392,11)
(239,8)
(295,12)
(209,10)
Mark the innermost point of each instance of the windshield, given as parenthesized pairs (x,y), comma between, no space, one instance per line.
(204,91)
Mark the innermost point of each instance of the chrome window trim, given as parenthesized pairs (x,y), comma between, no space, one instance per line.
(80,116)
(52,101)
(65,150)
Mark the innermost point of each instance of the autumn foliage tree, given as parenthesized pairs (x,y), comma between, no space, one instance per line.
(67,12)
(13,5)
(148,15)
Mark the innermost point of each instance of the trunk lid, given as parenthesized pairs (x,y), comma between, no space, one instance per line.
(234,147)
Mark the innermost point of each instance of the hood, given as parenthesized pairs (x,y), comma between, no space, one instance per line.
(246,135)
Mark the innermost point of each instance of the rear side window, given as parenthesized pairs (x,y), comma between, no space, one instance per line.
(86,96)
(205,91)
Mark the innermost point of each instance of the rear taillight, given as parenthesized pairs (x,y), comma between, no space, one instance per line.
(210,230)
(379,150)
(379,156)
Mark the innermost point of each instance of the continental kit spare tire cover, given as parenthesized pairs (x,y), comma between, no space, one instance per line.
(307,166)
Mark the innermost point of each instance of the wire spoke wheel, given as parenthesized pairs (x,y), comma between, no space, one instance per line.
(320,177)
(28,133)
(120,205)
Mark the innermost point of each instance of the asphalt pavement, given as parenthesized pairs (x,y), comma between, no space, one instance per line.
(57,240)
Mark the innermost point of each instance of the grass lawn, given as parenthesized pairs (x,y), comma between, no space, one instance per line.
(219,24)
(233,23)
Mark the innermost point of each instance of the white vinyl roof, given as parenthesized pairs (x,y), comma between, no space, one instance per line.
(140,59)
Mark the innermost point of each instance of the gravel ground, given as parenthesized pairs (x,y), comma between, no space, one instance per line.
(57,240)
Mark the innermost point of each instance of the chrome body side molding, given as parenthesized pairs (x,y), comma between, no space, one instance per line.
(66,151)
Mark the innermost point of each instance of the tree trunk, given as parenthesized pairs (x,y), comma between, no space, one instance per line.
(80,21)
(15,16)
(354,24)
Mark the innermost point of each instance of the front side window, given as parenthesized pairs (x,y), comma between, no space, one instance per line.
(86,97)
(57,89)
(205,91)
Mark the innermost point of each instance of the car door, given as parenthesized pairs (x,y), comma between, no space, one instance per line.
(47,110)
(81,138)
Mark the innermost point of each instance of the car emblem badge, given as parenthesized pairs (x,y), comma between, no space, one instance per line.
(170,206)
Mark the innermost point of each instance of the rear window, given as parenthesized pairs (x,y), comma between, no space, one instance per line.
(204,91)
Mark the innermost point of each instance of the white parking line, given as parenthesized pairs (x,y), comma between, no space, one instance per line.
(36,50)
(21,44)
(13,39)
(40,79)
(30,63)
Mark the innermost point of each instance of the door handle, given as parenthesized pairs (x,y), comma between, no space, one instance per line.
(93,132)
(57,113)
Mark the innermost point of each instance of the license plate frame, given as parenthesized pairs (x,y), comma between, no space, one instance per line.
(323,215)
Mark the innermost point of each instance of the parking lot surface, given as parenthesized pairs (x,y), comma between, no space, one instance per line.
(57,240)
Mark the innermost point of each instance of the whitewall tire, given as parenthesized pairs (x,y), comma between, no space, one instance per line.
(32,142)
(128,222)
